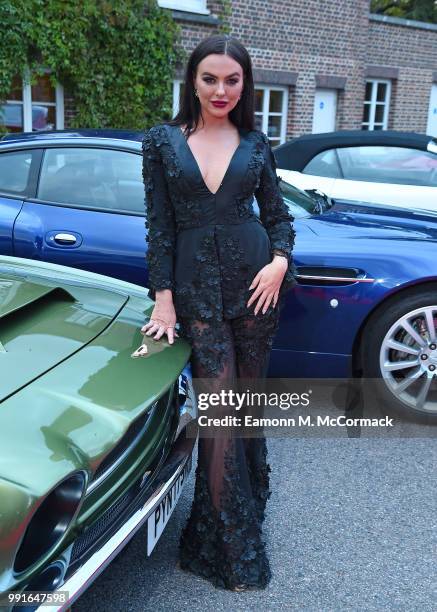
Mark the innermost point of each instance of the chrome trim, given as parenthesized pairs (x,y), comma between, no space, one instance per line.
(336,278)
(188,410)
(89,571)
(69,238)
(95,483)
(70,523)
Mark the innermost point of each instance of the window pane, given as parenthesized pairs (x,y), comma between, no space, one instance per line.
(366,113)
(11,116)
(381,92)
(379,113)
(93,178)
(324,164)
(275,102)
(274,127)
(397,165)
(368,95)
(43,117)
(43,90)
(130,186)
(259,94)
(14,171)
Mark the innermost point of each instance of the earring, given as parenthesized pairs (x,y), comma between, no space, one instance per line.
(195,93)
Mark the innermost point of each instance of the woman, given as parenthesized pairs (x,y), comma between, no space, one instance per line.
(221,272)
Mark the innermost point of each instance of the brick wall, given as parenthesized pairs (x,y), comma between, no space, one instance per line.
(312,38)
(333,43)
(309,37)
(412,51)
(197,27)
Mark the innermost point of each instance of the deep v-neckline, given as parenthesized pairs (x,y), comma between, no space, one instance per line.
(198,170)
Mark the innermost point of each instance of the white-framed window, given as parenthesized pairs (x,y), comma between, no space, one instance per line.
(271,103)
(376,104)
(32,108)
(191,6)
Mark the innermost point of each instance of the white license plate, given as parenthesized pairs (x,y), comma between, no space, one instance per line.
(159,516)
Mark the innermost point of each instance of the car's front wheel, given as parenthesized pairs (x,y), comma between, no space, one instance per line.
(399,353)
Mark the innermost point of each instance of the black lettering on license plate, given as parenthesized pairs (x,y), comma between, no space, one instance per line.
(164,509)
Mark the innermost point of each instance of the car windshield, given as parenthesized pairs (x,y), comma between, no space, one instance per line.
(299,203)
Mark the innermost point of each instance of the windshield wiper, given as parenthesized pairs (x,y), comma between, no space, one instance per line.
(322,202)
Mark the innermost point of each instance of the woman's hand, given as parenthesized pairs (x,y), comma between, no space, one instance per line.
(162,321)
(268,282)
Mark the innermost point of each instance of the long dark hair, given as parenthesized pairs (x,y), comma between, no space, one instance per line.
(243,114)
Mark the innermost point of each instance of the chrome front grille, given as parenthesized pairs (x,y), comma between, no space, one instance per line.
(118,454)
(98,529)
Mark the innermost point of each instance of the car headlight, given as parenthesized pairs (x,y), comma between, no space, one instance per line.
(50,521)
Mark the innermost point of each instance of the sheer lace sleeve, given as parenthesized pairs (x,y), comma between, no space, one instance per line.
(159,219)
(274,213)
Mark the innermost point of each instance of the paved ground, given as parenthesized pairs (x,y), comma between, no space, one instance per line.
(349,527)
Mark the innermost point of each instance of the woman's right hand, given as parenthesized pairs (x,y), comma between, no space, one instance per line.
(162,321)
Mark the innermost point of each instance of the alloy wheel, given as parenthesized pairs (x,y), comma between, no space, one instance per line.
(408,359)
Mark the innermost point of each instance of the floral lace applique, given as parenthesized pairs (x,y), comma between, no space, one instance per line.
(235,275)
(254,337)
(225,545)
(256,163)
(207,348)
(274,213)
(160,219)
(199,297)
(172,166)
(242,208)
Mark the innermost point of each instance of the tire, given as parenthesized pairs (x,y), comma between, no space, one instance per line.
(408,321)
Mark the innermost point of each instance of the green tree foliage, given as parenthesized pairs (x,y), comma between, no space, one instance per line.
(419,10)
(116,57)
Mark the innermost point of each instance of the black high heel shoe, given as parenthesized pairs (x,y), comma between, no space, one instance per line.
(240,587)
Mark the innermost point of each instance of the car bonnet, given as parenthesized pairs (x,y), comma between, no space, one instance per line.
(42,324)
(350,220)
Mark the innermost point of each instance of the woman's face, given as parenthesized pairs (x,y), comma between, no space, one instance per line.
(218,78)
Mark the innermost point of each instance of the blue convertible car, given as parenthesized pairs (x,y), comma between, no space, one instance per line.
(366,299)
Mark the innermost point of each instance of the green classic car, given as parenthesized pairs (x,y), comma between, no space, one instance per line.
(94,443)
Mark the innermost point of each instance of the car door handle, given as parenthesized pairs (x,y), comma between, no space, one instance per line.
(63,238)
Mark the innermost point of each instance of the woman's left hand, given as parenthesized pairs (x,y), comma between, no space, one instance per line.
(268,282)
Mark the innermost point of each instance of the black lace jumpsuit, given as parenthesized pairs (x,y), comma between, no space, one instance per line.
(207,248)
